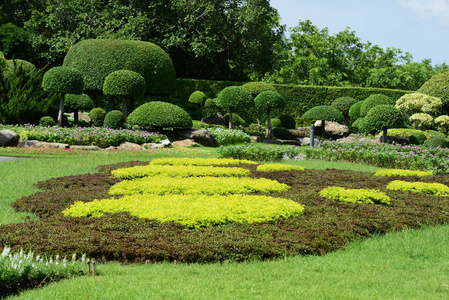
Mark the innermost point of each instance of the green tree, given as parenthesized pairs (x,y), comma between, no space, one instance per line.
(323,113)
(268,100)
(76,103)
(233,98)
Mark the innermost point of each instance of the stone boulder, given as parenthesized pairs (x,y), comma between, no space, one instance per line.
(201,136)
(300,132)
(185,143)
(215,119)
(306,142)
(395,139)
(8,138)
(334,130)
(130,146)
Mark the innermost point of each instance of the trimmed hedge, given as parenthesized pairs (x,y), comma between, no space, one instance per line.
(98,58)
(160,114)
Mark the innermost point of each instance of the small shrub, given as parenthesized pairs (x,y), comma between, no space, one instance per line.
(400,172)
(197,97)
(63,80)
(225,136)
(354,110)
(343,104)
(408,132)
(255,129)
(210,102)
(437,189)
(287,121)
(160,115)
(442,123)
(255,88)
(281,133)
(419,103)
(200,161)
(355,195)
(278,167)
(373,101)
(47,121)
(437,142)
(300,122)
(417,138)
(80,102)
(124,83)
(276,123)
(97,116)
(237,121)
(422,121)
(323,112)
(114,119)
(382,116)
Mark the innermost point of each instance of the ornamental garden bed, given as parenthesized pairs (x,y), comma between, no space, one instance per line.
(316,224)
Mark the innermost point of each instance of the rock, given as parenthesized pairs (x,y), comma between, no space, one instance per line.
(8,138)
(306,142)
(215,119)
(300,132)
(151,146)
(202,136)
(333,129)
(46,145)
(255,139)
(289,142)
(185,143)
(130,146)
(84,147)
(395,139)
(27,144)
(165,143)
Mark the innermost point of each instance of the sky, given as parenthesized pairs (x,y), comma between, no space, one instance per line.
(420,27)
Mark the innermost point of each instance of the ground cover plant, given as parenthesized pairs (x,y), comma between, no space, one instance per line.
(258,152)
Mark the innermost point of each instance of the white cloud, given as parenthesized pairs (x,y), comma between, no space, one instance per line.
(429,9)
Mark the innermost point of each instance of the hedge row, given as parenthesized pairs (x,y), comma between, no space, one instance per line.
(299,98)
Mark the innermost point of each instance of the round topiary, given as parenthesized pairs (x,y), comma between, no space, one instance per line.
(63,80)
(234,97)
(47,121)
(442,123)
(437,141)
(417,138)
(124,83)
(354,110)
(80,102)
(419,103)
(97,116)
(255,88)
(197,97)
(381,117)
(160,115)
(276,123)
(422,121)
(15,65)
(269,99)
(323,112)
(96,59)
(281,133)
(437,87)
(343,104)
(210,102)
(114,119)
(287,121)
(372,101)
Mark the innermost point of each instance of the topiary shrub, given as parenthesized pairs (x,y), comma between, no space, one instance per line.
(237,121)
(437,189)
(160,115)
(442,123)
(281,133)
(407,132)
(373,101)
(255,88)
(324,113)
(287,121)
(341,194)
(417,138)
(419,103)
(268,100)
(47,121)
(232,98)
(76,103)
(197,97)
(436,142)
(354,111)
(97,116)
(210,102)
(98,58)
(276,123)
(18,65)
(382,117)
(344,104)
(114,119)
(437,87)
(421,121)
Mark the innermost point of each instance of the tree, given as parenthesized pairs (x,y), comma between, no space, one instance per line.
(75,103)
(63,80)
(323,113)
(232,98)
(268,100)
(343,104)
(382,117)
(124,83)
(419,103)
(255,88)
(437,87)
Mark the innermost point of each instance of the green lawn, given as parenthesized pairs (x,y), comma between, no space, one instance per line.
(403,265)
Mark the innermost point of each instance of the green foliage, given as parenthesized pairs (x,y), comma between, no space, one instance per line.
(419,103)
(237,121)
(47,121)
(199,161)
(278,167)
(96,59)
(324,112)
(417,138)
(287,121)
(437,87)
(382,116)
(258,153)
(437,142)
(225,136)
(78,102)
(269,99)
(281,133)
(198,97)
(210,102)
(400,172)
(160,115)
(124,83)
(435,188)
(114,119)
(276,123)
(343,104)
(234,97)
(373,101)
(255,88)
(14,42)
(97,116)
(442,123)
(422,121)
(407,132)
(355,195)
(64,80)
(17,65)
(354,110)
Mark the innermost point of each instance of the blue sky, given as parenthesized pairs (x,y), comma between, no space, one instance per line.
(420,27)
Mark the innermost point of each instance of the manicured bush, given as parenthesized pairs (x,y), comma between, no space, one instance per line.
(237,121)
(437,142)
(96,59)
(419,103)
(198,97)
(47,121)
(373,101)
(210,102)
(382,117)
(13,66)
(354,110)
(63,80)
(160,115)
(281,133)
(417,138)
(114,119)
(276,122)
(76,103)
(124,83)
(259,153)
(355,195)
(437,189)
(268,100)
(255,88)
(324,113)
(287,121)
(407,132)
(97,116)
(400,172)
(422,121)
(343,104)
(442,123)
(278,167)
(437,87)
(234,98)
(225,136)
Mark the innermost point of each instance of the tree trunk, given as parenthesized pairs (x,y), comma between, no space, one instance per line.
(124,107)
(269,128)
(323,129)
(384,135)
(230,118)
(75,117)
(61,111)
(112,100)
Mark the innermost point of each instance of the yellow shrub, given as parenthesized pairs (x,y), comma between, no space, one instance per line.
(355,195)
(437,189)
(278,167)
(178,171)
(200,161)
(192,210)
(196,185)
(399,172)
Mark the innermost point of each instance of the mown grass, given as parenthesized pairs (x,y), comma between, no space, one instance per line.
(411,264)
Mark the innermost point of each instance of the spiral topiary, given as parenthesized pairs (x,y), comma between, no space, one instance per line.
(160,115)
(97,116)
(372,101)
(114,119)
